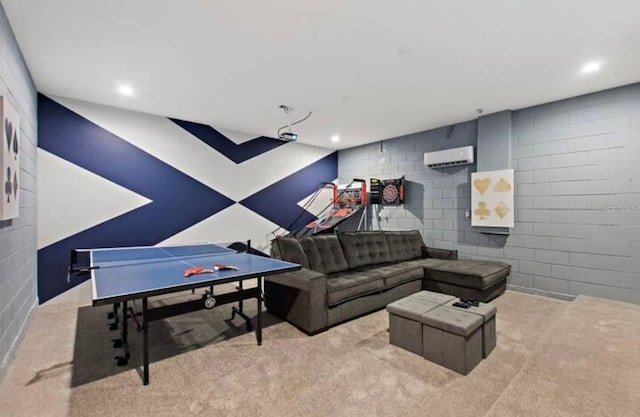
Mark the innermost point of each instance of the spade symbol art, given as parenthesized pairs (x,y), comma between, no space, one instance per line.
(15,145)
(8,130)
(8,188)
(502,186)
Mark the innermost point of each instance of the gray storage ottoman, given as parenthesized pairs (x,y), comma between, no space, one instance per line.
(405,325)
(488,314)
(405,322)
(433,297)
(452,338)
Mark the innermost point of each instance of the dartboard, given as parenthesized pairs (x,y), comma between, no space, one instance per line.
(390,193)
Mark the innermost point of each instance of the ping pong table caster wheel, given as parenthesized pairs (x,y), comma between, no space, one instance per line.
(117,343)
(113,326)
(209,300)
(122,360)
(111,316)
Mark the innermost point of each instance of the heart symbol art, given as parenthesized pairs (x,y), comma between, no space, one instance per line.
(482,185)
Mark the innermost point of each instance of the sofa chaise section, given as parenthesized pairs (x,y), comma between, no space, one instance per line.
(468,279)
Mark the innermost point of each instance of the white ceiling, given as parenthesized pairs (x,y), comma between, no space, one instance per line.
(368,69)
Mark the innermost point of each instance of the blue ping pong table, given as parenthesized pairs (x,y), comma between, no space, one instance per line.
(120,275)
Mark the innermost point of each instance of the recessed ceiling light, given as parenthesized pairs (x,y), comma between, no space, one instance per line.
(125,90)
(335,138)
(590,67)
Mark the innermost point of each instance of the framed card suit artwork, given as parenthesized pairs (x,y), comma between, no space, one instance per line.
(492,201)
(9,161)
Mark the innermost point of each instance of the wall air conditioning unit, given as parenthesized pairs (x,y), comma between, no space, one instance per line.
(449,157)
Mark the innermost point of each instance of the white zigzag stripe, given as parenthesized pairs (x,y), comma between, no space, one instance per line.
(175,146)
(72,199)
(237,137)
(233,224)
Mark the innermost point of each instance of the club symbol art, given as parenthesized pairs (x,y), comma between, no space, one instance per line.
(15,185)
(8,187)
(482,184)
(482,211)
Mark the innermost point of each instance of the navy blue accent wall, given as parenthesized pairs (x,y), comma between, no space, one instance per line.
(74,138)
(278,202)
(178,201)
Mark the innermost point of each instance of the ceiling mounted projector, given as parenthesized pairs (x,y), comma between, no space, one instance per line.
(289,136)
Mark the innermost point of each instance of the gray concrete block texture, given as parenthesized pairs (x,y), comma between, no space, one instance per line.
(18,244)
(577,194)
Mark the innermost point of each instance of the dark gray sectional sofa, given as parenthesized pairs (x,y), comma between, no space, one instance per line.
(350,274)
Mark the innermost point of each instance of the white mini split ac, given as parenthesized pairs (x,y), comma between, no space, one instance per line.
(449,157)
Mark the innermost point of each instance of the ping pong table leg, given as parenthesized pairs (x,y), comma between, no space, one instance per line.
(125,328)
(240,288)
(114,314)
(123,342)
(145,344)
(259,298)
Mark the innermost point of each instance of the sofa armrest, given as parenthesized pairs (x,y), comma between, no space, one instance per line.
(300,297)
(428,252)
(303,279)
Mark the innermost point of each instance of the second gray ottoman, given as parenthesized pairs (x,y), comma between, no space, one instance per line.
(452,338)
(405,325)
(488,314)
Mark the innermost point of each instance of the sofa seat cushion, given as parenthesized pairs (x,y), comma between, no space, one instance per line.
(365,248)
(345,286)
(404,246)
(396,274)
(324,253)
(428,262)
(468,273)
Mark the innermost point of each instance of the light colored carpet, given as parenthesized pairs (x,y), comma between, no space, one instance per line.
(554,358)
(588,365)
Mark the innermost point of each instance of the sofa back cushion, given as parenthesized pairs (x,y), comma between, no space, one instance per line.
(324,253)
(365,248)
(289,249)
(404,246)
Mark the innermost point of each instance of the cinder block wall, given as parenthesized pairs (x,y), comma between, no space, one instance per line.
(577,194)
(18,236)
